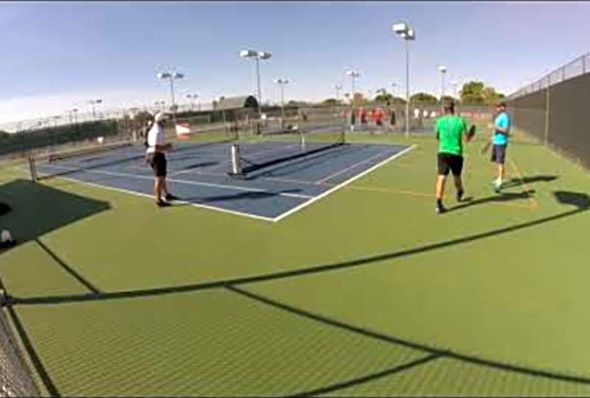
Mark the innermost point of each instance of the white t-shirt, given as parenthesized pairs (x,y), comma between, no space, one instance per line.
(156,136)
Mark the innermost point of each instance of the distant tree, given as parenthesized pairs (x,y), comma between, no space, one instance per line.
(423,99)
(143,117)
(398,101)
(449,98)
(472,93)
(297,103)
(359,99)
(384,98)
(331,101)
(490,96)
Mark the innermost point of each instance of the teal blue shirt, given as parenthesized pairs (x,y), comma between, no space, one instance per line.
(502,121)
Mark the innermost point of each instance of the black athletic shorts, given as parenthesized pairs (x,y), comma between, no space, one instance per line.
(447,161)
(499,154)
(159,164)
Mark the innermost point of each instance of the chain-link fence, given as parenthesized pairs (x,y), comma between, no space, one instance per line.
(556,113)
(577,67)
(15,375)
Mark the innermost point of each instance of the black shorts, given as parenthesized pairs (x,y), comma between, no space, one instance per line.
(447,161)
(159,164)
(499,154)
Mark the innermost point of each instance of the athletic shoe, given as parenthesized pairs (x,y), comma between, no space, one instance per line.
(171,197)
(161,203)
(460,195)
(440,208)
(497,186)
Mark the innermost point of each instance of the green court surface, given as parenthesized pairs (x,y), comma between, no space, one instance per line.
(365,292)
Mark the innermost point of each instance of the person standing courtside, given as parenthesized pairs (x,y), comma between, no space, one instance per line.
(450,132)
(156,157)
(500,143)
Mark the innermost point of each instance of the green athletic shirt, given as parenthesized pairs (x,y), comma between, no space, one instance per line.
(449,130)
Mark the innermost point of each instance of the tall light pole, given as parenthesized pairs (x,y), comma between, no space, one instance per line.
(160,104)
(338,87)
(282,83)
(257,55)
(393,86)
(403,30)
(93,103)
(73,115)
(353,74)
(192,98)
(443,71)
(171,76)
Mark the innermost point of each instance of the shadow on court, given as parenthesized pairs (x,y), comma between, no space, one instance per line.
(499,198)
(580,202)
(237,196)
(516,182)
(38,209)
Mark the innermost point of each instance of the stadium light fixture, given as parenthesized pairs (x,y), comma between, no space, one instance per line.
(403,30)
(171,76)
(257,56)
(353,74)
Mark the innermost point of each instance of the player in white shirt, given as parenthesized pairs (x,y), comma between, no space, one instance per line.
(156,157)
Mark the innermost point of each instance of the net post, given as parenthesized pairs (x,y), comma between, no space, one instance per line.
(235,160)
(32,167)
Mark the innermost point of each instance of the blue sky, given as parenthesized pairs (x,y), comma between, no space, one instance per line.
(56,55)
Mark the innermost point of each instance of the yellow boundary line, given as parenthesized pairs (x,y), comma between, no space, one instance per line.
(532,200)
(382,190)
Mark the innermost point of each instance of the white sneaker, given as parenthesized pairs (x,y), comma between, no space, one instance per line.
(498,185)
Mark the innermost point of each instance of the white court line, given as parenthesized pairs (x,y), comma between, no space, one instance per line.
(206,184)
(324,179)
(337,187)
(199,205)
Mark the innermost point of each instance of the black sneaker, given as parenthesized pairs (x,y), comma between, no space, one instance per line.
(171,197)
(460,195)
(440,208)
(161,203)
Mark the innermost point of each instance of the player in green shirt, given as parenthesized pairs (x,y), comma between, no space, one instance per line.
(450,132)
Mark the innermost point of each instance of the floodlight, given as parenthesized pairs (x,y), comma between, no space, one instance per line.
(400,27)
(248,53)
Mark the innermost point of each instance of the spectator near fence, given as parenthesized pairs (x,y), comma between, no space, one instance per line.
(363,118)
(378,116)
(392,118)
(352,119)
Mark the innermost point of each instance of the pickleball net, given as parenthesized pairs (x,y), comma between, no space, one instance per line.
(120,154)
(251,157)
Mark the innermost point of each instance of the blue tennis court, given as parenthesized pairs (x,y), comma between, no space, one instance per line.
(198,174)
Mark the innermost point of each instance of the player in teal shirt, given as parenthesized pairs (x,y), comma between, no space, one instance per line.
(500,142)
